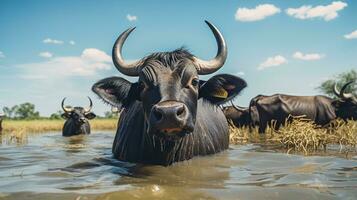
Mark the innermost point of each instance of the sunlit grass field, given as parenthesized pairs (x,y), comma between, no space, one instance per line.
(39,126)
(17,131)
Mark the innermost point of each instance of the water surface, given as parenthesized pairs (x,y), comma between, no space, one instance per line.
(49,166)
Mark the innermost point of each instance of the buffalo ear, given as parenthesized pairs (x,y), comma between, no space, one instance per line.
(90,115)
(221,88)
(66,115)
(116,91)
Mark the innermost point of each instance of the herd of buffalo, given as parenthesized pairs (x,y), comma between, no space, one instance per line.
(278,108)
(170,115)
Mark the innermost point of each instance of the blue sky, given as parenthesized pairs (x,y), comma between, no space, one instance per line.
(53,49)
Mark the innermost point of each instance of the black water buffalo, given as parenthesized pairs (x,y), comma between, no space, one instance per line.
(241,116)
(169,115)
(237,116)
(321,109)
(76,119)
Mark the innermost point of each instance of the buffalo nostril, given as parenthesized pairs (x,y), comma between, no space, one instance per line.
(158,115)
(180,111)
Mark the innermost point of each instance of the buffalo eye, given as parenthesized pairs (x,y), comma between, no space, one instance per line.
(195,82)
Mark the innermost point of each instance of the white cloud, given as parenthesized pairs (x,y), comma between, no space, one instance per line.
(240,73)
(272,62)
(2,55)
(87,64)
(352,35)
(258,13)
(310,56)
(46,54)
(327,12)
(72,42)
(52,41)
(131,17)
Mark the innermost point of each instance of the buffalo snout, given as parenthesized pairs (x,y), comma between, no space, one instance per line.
(170,117)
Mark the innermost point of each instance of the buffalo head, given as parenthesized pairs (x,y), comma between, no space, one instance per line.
(76,119)
(346,104)
(237,116)
(168,86)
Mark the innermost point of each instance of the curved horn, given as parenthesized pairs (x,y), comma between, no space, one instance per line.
(235,107)
(335,90)
(64,108)
(208,67)
(342,92)
(90,106)
(129,69)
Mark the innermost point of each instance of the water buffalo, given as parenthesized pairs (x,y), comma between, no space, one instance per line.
(76,119)
(169,115)
(237,116)
(242,116)
(321,109)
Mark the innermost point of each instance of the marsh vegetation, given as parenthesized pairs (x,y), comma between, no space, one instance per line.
(301,136)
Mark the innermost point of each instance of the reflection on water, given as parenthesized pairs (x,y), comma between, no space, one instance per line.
(49,166)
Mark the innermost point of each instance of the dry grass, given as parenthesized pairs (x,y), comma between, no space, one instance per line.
(16,131)
(104,124)
(301,135)
(38,126)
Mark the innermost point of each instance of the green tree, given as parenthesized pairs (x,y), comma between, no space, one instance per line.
(56,115)
(110,114)
(10,112)
(26,111)
(327,86)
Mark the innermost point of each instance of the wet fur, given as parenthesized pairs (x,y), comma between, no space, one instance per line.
(138,146)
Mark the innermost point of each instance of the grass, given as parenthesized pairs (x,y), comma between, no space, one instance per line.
(38,126)
(301,136)
(16,131)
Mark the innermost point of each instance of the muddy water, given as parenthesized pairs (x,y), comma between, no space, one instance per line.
(48,166)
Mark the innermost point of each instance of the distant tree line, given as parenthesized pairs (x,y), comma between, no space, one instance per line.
(27,111)
(22,111)
(110,114)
